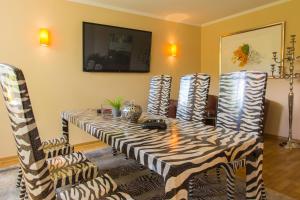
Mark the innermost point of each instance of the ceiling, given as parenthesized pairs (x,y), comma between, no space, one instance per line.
(194,12)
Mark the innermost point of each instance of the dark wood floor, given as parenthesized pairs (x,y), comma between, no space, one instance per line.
(281,167)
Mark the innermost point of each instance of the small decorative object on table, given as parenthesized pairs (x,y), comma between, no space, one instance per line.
(106,112)
(159,124)
(131,112)
(116,106)
(290,59)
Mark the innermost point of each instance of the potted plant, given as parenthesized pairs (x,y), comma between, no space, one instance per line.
(116,105)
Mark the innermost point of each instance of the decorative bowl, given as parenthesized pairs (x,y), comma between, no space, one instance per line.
(131,112)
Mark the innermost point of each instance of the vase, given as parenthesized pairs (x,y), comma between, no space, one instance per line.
(131,112)
(116,112)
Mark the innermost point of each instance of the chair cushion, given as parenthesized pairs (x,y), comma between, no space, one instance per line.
(55,142)
(64,161)
(93,189)
(74,173)
(53,151)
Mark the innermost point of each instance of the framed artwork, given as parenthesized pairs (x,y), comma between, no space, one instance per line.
(252,49)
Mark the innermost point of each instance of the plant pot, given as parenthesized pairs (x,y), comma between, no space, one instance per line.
(116,112)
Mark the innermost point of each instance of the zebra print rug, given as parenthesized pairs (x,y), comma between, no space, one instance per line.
(140,183)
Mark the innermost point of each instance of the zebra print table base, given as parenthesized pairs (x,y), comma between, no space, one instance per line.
(180,152)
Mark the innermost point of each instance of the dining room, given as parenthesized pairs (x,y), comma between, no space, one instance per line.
(143,100)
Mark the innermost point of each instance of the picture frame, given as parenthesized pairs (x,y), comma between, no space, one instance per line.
(252,49)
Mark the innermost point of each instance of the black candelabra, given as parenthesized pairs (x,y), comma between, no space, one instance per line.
(290,59)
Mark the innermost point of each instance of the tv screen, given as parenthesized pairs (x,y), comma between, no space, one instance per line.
(115,49)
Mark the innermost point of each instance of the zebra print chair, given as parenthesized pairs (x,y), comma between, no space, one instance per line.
(193,94)
(159,95)
(52,148)
(41,177)
(241,108)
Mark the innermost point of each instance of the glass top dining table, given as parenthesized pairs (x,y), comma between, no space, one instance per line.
(184,149)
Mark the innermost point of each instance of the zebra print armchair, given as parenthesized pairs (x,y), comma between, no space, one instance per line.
(41,177)
(193,94)
(52,148)
(159,95)
(241,108)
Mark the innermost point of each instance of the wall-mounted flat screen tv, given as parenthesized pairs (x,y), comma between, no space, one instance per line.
(115,49)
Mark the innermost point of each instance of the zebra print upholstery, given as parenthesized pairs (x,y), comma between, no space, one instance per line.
(71,169)
(183,150)
(64,161)
(193,96)
(93,189)
(31,155)
(241,108)
(58,150)
(50,152)
(159,95)
(39,176)
(54,142)
(102,187)
(52,147)
(158,100)
(241,101)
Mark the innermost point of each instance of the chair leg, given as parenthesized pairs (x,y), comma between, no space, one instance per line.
(26,196)
(114,151)
(19,178)
(206,175)
(141,166)
(218,174)
(264,193)
(191,187)
(22,194)
(152,173)
(230,180)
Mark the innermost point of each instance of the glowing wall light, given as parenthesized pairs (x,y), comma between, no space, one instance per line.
(44,37)
(173,50)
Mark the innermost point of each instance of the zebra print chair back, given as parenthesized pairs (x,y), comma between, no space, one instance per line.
(193,94)
(241,101)
(159,95)
(39,185)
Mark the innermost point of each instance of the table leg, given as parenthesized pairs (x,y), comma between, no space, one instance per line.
(177,193)
(255,189)
(230,180)
(65,128)
(230,170)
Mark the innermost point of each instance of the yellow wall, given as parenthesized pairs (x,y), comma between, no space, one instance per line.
(56,81)
(277,90)
(54,75)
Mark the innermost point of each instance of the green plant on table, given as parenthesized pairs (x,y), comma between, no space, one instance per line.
(115,103)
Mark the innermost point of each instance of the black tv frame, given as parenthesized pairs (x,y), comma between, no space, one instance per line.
(132,71)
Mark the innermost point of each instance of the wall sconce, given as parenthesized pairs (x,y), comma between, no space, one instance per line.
(44,37)
(173,50)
